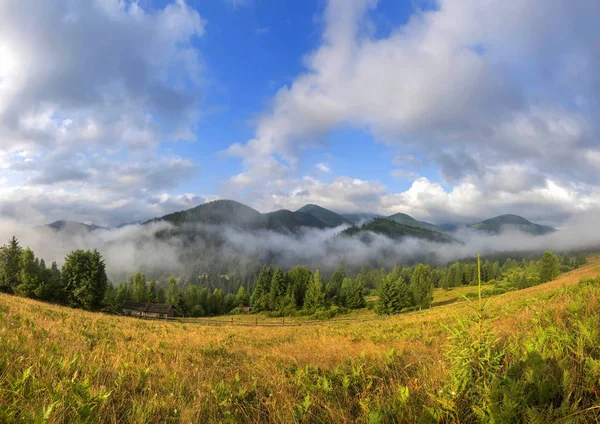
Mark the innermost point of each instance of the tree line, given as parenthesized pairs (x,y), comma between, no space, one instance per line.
(80,283)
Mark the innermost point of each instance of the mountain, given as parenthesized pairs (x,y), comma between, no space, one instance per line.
(72,227)
(291,220)
(327,217)
(357,218)
(227,212)
(404,219)
(395,230)
(232,213)
(505,222)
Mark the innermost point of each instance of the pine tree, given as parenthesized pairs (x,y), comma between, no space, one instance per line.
(421,286)
(352,293)
(277,291)
(10,270)
(241,298)
(260,295)
(300,278)
(388,301)
(151,292)
(315,294)
(334,286)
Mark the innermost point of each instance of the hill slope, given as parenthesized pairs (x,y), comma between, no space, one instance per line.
(329,218)
(511,222)
(404,219)
(394,230)
(218,212)
(72,227)
(66,365)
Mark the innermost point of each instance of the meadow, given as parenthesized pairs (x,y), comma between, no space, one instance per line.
(531,355)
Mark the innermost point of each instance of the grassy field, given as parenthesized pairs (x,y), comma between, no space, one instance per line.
(541,363)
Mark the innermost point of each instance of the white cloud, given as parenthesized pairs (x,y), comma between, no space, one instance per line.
(499,94)
(88,93)
(323,167)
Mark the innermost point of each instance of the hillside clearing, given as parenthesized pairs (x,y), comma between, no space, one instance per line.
(72,365)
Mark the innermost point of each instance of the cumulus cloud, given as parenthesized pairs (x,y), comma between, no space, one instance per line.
(89,93)
(484,90)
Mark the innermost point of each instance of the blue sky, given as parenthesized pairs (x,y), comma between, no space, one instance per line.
(449,110)
(250,51)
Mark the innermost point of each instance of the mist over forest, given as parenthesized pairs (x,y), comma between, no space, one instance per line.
(159,248)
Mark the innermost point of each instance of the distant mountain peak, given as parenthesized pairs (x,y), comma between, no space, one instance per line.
(500,223)
(329,218)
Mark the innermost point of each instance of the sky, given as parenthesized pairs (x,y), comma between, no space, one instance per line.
(117,111)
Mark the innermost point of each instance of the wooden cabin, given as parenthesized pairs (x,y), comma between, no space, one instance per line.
(146,309)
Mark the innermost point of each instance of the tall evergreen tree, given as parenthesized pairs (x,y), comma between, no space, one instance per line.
(388,301)
(151,291)
(352,293)
(10,270)
(260,295)
(421,286)
(278,290)
(334,285)
(300,278)
(315,293)
(241,298)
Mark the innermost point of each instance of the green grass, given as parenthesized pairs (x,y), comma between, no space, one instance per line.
(63,365)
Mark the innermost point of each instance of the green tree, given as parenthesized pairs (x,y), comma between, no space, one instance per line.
(315,294)
(174,297)
(549,266)
(454,276)
(151,292)
(84,279)
(10,270)
(30,274)
(300,278)
(352,293)
(388,301)
(260,295)
(138,285)
(277,291)
(241,298)
(334,285)
(421,286)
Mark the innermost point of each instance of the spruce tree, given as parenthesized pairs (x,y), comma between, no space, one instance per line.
(277,291)
(421,286)
(352,293)
(388,301)
(10,270)
(260,295)
(315,294)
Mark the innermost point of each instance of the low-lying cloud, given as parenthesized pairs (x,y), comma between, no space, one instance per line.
(160,249)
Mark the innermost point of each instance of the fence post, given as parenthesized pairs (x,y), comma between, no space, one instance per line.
(283,321)
(232,320)
(256,323)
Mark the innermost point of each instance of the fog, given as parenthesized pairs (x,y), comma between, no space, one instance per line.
(137,248)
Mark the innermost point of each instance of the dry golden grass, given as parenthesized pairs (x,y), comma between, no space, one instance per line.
(90,366)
